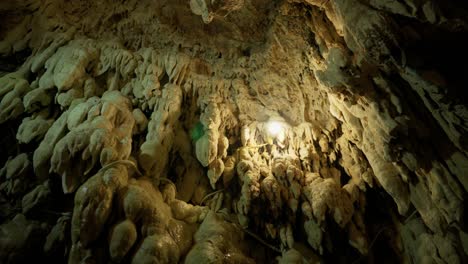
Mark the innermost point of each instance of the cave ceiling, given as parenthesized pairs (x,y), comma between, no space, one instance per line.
(233,131)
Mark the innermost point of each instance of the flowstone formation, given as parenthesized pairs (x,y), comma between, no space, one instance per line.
(139,131)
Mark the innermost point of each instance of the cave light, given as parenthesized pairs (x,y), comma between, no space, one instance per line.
(275,128)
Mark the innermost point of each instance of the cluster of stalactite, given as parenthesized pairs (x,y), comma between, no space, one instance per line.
(137,131)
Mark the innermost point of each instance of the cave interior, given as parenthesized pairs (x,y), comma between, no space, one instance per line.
(233,131)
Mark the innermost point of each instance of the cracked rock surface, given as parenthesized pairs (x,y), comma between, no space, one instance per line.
(140,131)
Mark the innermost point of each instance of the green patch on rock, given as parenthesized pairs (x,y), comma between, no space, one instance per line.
(197,132)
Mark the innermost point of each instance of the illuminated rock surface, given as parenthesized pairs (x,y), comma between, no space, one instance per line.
(141,131)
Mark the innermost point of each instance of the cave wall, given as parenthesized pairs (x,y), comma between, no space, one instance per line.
(137,131)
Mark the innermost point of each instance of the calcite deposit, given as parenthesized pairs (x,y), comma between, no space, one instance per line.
(233,131)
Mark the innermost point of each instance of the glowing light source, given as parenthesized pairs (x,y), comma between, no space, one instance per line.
(275,128)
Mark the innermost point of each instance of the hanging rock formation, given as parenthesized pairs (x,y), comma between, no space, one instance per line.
(138,131)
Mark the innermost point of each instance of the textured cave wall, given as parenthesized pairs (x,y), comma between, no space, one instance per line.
(136,131)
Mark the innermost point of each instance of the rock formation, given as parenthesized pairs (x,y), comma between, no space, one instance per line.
(138,131)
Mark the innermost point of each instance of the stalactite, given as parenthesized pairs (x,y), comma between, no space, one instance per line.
(138,131)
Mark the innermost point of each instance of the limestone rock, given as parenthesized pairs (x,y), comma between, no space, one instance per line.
(33,129)
(57,238)
(13,89)
(122,238)
(36,199)
(16,176)
(20,237)
(160,137)
(104,137)
(217,241)
(155,116)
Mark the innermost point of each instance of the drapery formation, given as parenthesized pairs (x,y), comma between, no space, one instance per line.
(136,131)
